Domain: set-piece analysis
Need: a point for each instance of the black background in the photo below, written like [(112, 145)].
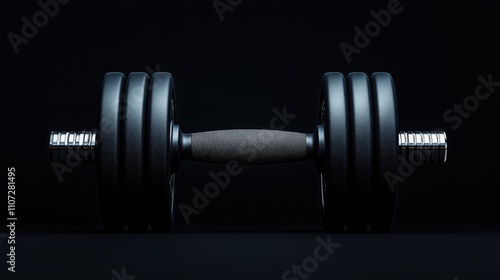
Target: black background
[(231, 74)]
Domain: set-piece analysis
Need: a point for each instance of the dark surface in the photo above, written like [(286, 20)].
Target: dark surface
[(232, 74), (432, 253)]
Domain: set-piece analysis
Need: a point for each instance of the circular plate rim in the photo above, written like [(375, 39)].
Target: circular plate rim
[(384, 196), (108, 152), (361, 157), (160, 172), (336, 128), (133, 150)]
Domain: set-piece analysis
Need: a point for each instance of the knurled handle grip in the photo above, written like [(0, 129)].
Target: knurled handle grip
[(248, 146)]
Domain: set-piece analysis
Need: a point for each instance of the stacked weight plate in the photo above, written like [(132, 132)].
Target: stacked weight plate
[(359, 115), (134, 172)]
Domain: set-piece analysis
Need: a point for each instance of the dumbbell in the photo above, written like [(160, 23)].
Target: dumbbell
[(356, 148)]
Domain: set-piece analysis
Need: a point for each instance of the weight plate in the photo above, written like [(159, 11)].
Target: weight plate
[(159, 129), (108, 153), (335, 120), (384, 188), (361, 164), (133, 142)]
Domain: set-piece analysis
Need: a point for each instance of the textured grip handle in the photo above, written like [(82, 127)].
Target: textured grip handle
[(248, 146)]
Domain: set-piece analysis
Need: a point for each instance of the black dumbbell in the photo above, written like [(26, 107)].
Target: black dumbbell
[(356, 147)]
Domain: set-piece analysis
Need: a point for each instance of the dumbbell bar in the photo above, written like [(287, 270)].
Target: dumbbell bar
[(355, 144), (222, 146)]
